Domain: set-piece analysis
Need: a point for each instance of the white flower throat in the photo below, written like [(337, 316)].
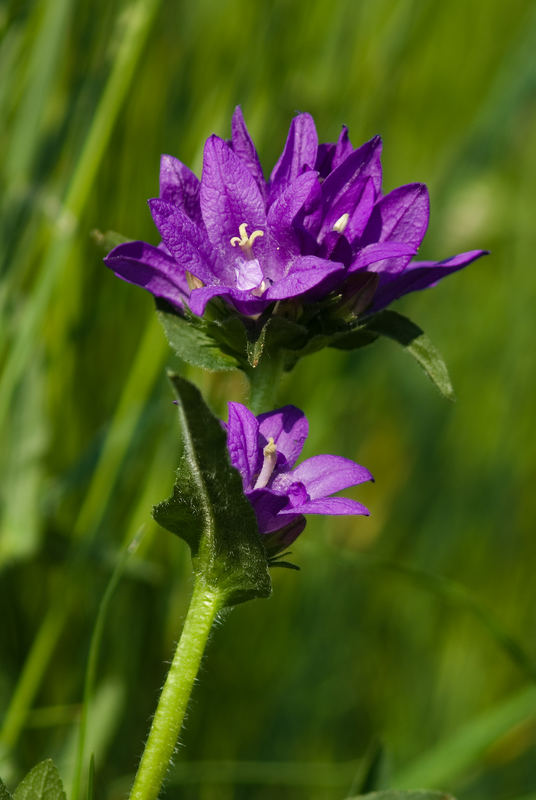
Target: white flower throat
[(249, 276)]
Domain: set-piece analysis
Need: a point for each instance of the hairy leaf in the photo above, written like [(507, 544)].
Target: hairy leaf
[(4, 794), (208, 508), (43, 782), (277, 333), (193, 344), (414, 340)]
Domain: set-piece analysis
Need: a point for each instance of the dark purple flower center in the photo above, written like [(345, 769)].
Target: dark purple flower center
[(297, 494)]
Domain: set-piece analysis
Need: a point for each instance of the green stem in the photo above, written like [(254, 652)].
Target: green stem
[(167, 721), (264, 382)]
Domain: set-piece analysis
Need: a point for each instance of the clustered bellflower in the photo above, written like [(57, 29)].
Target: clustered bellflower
[(319, 225), (264, 450)]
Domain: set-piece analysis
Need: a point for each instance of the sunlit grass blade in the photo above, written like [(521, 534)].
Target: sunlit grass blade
[(92, 664), (445, 762), (139, 18), (46, 48)]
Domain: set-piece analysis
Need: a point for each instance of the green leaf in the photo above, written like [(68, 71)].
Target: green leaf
[(208, 508), (230, 334), (191, 342), (43, 782), (255, 347), (420, 794), (277, 333), (4, 794), (414, 340), (464, 749), (353, 339)]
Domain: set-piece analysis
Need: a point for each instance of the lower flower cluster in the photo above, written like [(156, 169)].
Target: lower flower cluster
[(264, 449)]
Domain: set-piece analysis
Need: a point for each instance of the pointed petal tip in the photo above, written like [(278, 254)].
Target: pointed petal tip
[(215, 143), (302, 115), (417, 186), (157, 204)]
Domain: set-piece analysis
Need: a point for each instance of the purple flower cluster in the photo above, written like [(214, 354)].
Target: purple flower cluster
[(264, 450), (320, 224)]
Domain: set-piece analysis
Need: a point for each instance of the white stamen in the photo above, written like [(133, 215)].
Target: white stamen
[(342, 222), (268, 465)]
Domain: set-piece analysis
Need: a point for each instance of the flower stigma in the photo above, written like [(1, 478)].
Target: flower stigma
[(342, 222), (268, 465), (244, 241)]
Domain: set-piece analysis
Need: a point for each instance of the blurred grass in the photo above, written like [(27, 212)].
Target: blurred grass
[(344, 654)]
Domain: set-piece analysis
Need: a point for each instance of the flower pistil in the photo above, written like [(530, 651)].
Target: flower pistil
[(249, 276), (270, 458)]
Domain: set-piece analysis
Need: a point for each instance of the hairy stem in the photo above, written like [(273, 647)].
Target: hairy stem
[(171, 709)]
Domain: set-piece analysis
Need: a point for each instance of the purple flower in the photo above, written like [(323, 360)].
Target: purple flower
[(374, 235), (264, 450), (316, 225)]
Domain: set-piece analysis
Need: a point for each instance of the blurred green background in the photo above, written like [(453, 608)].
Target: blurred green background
[(407, 637)]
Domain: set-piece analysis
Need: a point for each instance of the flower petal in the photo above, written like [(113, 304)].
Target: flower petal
[(343, 148), (229, 195), (401, 216), (324, 158), (288, 427), (244, 148), (245, 302), (328, 505), (420, 275), (267, 506), (284, 210), (345, 183), (361, 214), (180, 187), (304, 274), (323, 475), (151, 268), (283, 537), (299, 153), (183, 239), (404, 214), (243, 443), (378, 251), (331, 154)]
